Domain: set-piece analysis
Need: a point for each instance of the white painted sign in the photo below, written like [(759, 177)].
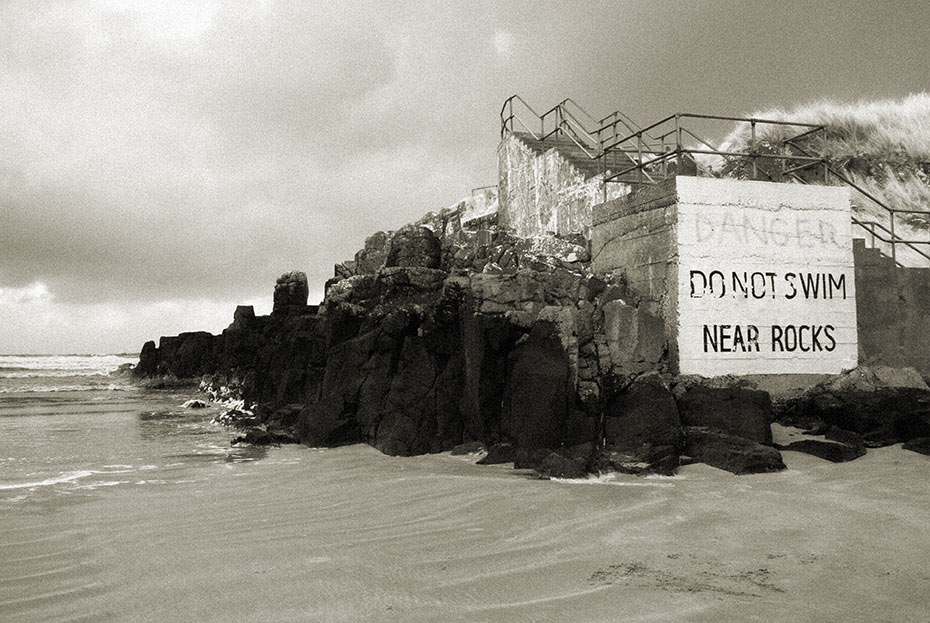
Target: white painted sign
[(765, 278)]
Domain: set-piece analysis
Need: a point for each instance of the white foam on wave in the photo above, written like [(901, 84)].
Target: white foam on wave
[(71, 477), (611, 479), (26, 389), (57, 480)]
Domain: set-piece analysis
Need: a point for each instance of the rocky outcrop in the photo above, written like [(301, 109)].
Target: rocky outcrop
[(882, 405), (734, 454), (291, 290), (642, 429), (446, 333), (731, 410)]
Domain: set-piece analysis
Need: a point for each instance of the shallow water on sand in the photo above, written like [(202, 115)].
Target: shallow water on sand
[(129, 508)]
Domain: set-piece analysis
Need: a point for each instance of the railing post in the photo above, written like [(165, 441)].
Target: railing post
[(604, 175), (752, 148), (893, 243), (639, 155), (678, 143)]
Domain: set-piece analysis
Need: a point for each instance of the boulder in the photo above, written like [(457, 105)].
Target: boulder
[(537, 392), (472, 447), (733, 454), (829, 450), (260, 436), (731, 410), (919, 444), (370, 259), (243, 317), (291, 290), (499, 453), (148, 361), (566, 463), (884, 408), (641, 426), (414, 246), (194, 404)]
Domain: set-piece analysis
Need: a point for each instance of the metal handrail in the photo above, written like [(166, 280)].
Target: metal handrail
[(893, 240), (646, 149)]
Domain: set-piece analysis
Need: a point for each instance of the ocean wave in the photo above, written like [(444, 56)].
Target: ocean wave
[(71, 477), (41, 389), (28, 373), (16, 366), (57, 480)]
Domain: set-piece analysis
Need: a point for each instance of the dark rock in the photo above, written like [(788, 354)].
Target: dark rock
[(834, 433), (731, 410), (883, 416), (918, 444), (641, 426), (499, 453), (414, 247), (371, 258), (291, 290), (343, 270), (647, 459), (243, 317), (471, 447), (148, 361), (831, 451), (557, 465), (262, 437), (733, 454), (536, 396)]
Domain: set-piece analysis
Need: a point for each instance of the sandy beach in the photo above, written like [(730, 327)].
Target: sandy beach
[(349, 534)]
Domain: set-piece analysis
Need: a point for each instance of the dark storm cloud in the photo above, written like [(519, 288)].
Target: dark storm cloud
[(144, 159), (159, 151)]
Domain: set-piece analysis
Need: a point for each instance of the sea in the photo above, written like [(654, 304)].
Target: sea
[(72, 423), (119, 504)]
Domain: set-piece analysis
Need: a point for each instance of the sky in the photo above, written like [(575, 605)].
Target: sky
[(164, 161)]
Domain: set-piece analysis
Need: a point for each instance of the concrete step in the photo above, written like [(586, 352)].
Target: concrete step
[(574, 155)]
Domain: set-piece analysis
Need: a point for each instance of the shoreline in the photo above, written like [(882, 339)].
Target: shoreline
[(350, 534)]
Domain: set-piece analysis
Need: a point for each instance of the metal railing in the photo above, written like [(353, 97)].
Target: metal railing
[(768, 149)]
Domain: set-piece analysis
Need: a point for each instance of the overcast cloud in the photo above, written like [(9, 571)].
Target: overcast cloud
[(163, 161)]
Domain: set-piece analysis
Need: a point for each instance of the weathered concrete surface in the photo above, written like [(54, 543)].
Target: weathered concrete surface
[(765, 279), (750, 277), (893, 311), (634, 236), (544, 192)]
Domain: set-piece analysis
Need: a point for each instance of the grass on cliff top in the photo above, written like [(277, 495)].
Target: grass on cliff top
[(884, 130), (883, 146)]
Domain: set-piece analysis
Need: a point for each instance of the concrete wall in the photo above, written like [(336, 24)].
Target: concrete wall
[(635, 236), (750, 277), (893, 311), (765, 277), (540, 193)]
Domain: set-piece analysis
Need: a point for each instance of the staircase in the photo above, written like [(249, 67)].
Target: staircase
[(621, 151), (574, 154)]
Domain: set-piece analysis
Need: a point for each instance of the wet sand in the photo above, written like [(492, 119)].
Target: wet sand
[(351, 535)]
